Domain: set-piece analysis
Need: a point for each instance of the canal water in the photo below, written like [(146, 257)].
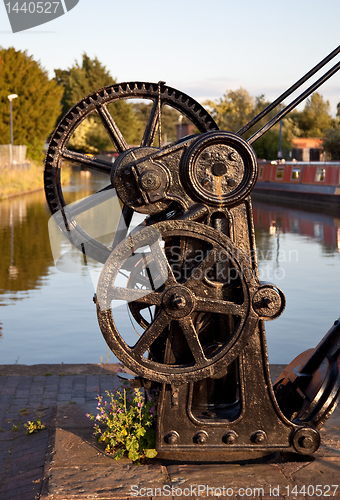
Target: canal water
[(48, 315)]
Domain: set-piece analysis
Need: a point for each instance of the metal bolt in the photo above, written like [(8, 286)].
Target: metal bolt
[(171, 437), (206, 155), (178, 302), (150, 181), (233, 156), (201, 438), (205, 181), (230, 437), (258, 437), (266, 302), (306, 442)]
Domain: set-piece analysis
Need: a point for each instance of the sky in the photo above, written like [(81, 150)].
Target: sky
[(202, 48)]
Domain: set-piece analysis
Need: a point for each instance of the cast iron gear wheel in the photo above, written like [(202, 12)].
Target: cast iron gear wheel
[(96, 104), (178, 300)]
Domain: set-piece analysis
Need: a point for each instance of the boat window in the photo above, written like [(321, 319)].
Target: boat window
[(320, 174), (279, 172), (261, 172), (295, 174)]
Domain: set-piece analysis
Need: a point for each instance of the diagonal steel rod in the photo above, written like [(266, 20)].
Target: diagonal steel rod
[(293, 104), (289, 91)]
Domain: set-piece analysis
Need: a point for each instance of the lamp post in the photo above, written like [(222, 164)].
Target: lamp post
[(10, 98)]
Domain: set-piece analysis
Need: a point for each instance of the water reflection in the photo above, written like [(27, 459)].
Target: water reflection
[(271, 220), (25, 249), (298, 250), (48, 316)]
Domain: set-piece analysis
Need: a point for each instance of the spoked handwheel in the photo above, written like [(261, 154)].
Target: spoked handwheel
[(96, 104), (189, 294)]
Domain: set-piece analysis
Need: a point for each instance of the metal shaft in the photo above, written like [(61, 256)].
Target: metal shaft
[(288, 92), (293, 104)]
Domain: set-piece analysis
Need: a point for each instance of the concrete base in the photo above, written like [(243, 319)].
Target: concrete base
[(77, 468)]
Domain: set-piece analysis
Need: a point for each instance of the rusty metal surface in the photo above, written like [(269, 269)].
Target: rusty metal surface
[(188, 275)]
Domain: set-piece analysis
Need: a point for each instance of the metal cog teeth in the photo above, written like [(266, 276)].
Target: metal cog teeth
[(93, 99), (89, 105)]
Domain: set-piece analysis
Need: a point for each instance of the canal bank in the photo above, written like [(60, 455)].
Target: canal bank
[(25, 179), (64, 461), (21, 180)]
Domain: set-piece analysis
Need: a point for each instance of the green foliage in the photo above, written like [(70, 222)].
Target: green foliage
[(169, 120), (37, 107), (266, 147), (79, 81), (238, 107), (23, 411), (315, 118), (232, 111), (16, 427), (128, 421), (15, 182), (34, 426), (331, 141)]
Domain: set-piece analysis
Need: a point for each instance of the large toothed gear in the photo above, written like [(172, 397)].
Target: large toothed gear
[(96, 104)]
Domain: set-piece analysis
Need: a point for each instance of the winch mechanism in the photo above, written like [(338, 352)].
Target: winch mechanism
[(189, 277)]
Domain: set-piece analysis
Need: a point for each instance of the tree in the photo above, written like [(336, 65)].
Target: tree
[(238, 107), (232, 111), (79, 81), (169, 120), (37, 107), (331, 141), (315, 118)]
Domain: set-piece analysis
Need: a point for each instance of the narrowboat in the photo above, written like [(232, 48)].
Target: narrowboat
[(315, 183)]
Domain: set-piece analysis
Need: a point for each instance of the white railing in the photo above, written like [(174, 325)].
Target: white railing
[(18, 159)]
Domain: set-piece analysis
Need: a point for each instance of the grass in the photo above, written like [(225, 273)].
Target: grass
[(24, 411), (14, 182), (17, 182)]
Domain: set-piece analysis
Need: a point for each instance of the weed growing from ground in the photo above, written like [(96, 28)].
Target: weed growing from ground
[(35, 426), (125, 424)]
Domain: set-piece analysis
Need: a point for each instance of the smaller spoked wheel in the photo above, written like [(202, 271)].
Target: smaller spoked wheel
[(187, 291), (142, 275)]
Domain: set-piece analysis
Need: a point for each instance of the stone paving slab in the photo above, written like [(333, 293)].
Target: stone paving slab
[(65, 462), (31, 392), (79, 469)]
